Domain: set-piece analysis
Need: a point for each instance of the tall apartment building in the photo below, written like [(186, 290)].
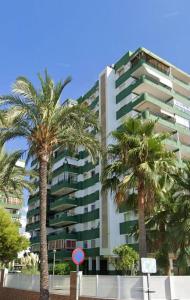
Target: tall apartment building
[(79, 214)]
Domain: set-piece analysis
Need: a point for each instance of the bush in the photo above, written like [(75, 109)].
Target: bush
[(63, 268), (126, 259)]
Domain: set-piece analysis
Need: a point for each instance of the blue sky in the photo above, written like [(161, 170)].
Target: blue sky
[(80, 37)]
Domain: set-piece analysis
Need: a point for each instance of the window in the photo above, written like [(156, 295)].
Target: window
[(182, 121), (86, 209), (85, 175), (93, 173), (85, 244), (93, 244), (93, 224), (130, 239), (70, 244), (93, 206), (120, 71)]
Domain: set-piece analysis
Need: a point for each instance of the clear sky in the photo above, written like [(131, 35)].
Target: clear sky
[(80, 37)]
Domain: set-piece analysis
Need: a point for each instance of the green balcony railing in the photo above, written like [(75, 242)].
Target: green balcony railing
[(89, 216), (33, 212), (55, 236), (32, 226), (63, 220), (64, 184), (91, 252), (60, 254), (89, 234), (63, 203), (62, 236), (127, 226)]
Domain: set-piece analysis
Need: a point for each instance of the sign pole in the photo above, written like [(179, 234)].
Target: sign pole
[(148, 286), (148, 266), (78, 257), (77, 268)]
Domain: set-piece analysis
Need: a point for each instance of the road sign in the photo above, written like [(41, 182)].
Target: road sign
[(78, 256), (148, 265)]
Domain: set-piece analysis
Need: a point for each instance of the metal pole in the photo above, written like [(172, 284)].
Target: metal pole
[(78, 283), (54, 251), (148, 286)]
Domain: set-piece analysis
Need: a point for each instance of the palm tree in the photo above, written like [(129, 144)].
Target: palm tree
[(13, 178), (45, 123), (135, 161), (181, 216), (160, 230), (168, 226)]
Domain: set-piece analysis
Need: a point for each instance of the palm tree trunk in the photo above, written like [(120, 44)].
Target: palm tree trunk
[(162, 228), (141, 221), (44, 285)]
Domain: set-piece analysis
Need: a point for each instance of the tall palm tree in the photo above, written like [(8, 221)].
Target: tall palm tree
[(45, 123), (135, 161)]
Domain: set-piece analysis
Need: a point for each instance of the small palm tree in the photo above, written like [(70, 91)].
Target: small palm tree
[(39, 117), (181, 217), (160, 230), (169, 229), (135, 161), (13, 178)]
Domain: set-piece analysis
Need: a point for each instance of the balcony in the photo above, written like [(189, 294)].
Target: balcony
[(33, 212), (127, 226), (35, 240), (63, 203), (55, 236), (148, 102), (60, 254), (64, 187), (150, 60), (170, 125), (33, 226), (62, 236), (88, 182), (89, 216), (92, 252), (146, 84), (63, 220)]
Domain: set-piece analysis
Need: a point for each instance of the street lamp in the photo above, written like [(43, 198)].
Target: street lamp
[(54, 252)]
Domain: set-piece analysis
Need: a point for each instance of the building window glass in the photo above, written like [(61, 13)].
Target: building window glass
[(93, 243), (86, 209), (85, 244)]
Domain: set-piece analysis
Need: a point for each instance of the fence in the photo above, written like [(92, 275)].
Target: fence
[(109, 287), (58, 284), (135, 287)]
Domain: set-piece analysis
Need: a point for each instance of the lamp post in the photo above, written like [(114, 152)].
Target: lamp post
[(54, 252)]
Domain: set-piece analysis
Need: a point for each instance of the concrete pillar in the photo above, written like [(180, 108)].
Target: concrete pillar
[(172, 292), (75, 278), (3, 273), (90, 263), (97, 263)]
